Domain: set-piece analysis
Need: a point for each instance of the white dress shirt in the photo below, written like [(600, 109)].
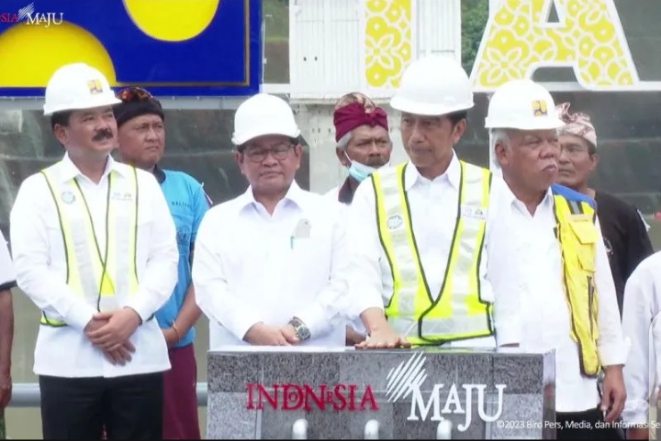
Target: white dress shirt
[(250, 267), (536, 256), (433, 207), (641, 322), (41, 267), (7, 271)]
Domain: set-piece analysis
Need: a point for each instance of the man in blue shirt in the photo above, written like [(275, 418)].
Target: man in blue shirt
[(140, 121)]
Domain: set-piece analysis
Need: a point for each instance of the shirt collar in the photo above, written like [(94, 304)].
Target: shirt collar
[(294, 195), (512, 199), (452, 175), (158, 174), (68, 169)]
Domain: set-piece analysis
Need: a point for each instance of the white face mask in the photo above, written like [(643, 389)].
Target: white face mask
[(359, 171)]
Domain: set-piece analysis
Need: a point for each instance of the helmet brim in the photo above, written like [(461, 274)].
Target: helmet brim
[(242, 138), (427, 109), (106, 101), (542, 124)]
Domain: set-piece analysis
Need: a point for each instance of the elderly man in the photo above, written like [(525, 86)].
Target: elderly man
[(363, 141), (268, 264), (363, 146), (422, 232), (566, 290), (624, 231), (141, 129), (95, 250)]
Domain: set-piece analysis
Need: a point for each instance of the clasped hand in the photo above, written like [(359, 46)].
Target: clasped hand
[(110, 332), (260, 334)]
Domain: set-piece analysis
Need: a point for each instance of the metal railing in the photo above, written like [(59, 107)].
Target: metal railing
[(27, 395)]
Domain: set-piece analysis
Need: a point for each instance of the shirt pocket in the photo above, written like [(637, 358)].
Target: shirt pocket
[(586, 234)]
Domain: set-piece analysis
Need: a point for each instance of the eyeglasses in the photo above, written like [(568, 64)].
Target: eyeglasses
[(258, 155), (132, 94)]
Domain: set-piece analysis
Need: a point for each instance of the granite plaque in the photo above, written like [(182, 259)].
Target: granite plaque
[(431, 393)]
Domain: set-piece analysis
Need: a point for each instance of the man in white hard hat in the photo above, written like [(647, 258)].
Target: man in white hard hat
[(268, 263), (422, 231), (95, 249), (564, 280), (363, 146)]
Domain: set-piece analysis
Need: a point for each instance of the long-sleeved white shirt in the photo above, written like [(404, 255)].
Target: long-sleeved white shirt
[(546, 323), (41, 268), (7, 271), (251, 267), (433, 207), (641, 322)]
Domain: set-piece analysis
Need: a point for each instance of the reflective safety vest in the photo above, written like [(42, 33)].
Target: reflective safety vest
[(96, 274), (459, 312), (576, 231)]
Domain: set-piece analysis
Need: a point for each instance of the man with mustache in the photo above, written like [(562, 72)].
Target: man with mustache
[(363, 141), (422, 232), (95, 249), (363, 146), (566, 291), (624, 231), (140, 122)]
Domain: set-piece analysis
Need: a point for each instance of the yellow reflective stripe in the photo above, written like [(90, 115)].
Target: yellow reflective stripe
[(393, 213), (460, 296), (95, 276), (459, 311)]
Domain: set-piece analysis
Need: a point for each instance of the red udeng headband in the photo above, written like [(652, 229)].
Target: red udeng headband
[(354, 115)]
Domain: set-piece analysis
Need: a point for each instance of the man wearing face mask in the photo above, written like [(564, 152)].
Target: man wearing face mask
[(363, 142), (363, 145)]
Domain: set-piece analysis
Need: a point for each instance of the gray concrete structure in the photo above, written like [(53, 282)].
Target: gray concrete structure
[(402, 394)]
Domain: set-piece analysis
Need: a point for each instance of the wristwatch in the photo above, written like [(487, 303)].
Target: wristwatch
[(302, 331)]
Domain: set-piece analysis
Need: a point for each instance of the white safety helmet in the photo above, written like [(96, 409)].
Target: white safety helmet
[(77, 86), (522, 105), (434, 86), (263, 114)]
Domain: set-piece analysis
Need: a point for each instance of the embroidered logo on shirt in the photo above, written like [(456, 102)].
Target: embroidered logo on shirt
[(395, 221), (119, 196), (477, 213), (68, 197)]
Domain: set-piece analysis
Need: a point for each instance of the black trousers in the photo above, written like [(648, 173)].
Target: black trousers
[(128, 407), (584, 426)]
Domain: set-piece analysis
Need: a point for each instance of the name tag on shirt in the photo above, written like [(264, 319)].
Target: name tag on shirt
[(471, 212), (302, 230)]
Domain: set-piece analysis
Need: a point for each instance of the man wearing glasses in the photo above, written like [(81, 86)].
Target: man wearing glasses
[(267, 262), (140, 122)]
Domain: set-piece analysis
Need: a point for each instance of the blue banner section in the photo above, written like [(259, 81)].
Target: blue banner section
[(171, 47)]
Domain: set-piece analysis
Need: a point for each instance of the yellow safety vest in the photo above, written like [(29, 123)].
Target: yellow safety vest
[(94, 274), (459, 312), (577, 234)]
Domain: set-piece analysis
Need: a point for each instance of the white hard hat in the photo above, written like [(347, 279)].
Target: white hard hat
[(77, 86), (433, 85), (523, 105), (263, 114)]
